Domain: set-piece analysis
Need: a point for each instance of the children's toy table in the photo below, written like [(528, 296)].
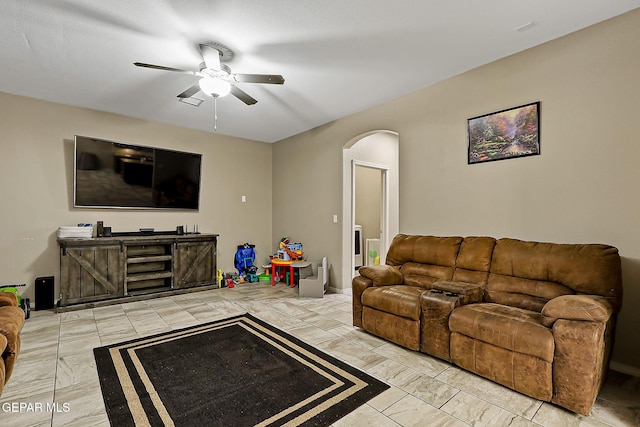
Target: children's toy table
[(279, 263), (291, 265)]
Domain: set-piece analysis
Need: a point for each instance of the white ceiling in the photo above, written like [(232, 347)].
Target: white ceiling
[(337, 56)]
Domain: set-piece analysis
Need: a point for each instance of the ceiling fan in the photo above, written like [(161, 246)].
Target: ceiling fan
[(216, 78)]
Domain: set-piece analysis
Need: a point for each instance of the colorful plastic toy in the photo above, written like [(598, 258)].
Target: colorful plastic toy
[(292, 250), (244, 262)]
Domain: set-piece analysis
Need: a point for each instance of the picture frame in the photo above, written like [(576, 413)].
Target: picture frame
[(505, 134)]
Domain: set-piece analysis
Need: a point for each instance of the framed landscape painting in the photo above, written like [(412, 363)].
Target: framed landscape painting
[(504, 134)]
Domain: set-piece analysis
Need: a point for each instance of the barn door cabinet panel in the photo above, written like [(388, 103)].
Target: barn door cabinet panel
[(106, 268), (194, 264), (91, 273)]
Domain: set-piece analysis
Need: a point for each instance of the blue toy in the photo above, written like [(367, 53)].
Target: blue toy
[(244, 262)]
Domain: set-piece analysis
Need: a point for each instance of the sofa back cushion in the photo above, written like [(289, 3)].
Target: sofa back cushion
[(528, 274), (424, 275), (474, 260), (424, 259)]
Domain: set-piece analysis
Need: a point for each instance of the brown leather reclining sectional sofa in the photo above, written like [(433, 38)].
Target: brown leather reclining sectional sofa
[(538, 318), (11, 321)]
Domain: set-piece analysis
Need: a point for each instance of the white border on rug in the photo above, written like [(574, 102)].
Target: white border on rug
[(137, 410)]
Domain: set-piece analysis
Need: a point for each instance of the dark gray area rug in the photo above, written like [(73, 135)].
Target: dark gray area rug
[(238, 371)]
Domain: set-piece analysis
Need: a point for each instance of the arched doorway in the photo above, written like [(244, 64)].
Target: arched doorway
[(373, 151)]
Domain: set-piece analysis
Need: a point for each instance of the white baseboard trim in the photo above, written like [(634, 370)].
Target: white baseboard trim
[(625, 369)]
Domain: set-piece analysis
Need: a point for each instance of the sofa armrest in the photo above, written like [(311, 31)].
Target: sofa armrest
[(11, 321), (583, 328), (8, 299), (580, 362), (377, 275), (576, 307), (358, 285), (382, 275)]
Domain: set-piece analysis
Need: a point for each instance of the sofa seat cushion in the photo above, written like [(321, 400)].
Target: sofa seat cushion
[(401, 300), (511, 328)]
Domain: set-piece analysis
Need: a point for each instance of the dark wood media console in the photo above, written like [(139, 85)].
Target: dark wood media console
[(134, 266)]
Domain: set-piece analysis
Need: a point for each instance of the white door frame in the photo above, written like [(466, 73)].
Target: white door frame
[(384, 208)]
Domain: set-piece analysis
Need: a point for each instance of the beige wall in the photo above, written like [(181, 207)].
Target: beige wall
[(368, 201), (36, 179), (582, 188)]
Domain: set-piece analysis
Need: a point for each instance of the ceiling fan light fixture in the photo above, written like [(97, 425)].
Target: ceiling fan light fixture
[(214, 87)]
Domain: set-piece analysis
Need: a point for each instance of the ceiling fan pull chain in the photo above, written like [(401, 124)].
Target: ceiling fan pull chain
[(215, 113)]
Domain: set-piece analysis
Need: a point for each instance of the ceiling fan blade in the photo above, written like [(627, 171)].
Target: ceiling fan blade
[(242, 95), (211, 56), (160, 67), (191, 91), (275, 79)]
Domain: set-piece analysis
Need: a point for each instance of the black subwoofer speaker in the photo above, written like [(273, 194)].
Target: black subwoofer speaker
[(44, 293)]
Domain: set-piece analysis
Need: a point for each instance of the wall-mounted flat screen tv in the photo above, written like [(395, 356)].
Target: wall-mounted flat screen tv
[(111, 174)]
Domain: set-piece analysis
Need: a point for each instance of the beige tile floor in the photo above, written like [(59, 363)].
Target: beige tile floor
[(56, 380)]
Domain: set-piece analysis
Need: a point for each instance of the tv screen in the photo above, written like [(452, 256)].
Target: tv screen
[(111, 174)]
